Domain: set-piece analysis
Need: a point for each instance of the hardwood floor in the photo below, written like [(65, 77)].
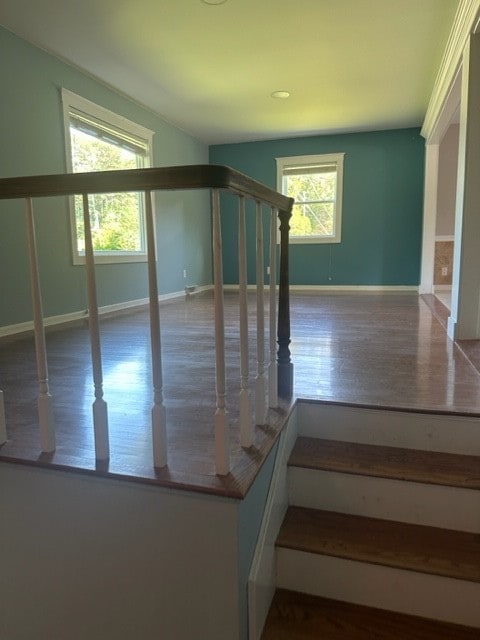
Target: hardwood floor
[(385, 350), (381, 350)]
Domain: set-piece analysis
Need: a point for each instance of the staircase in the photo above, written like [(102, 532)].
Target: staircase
[(381, 538)]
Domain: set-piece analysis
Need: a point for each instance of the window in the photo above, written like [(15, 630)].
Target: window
[(316, 183), (99, 140)]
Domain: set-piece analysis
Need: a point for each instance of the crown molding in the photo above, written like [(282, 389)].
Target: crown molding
[(465, 23)]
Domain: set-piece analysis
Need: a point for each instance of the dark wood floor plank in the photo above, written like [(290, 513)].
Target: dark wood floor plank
[(455, 554), (296, 616), (429, 467)]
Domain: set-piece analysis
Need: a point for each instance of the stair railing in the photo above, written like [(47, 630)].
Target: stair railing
[(272, 380)]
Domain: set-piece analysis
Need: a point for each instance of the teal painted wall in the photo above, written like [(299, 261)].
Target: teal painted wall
[(382, 208), (32, 142)]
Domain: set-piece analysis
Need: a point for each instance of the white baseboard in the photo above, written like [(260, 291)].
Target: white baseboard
[(66, 318), (23, 327), (336, 289)]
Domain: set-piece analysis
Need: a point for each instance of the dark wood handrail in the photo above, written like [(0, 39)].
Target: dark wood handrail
[(200, 176)]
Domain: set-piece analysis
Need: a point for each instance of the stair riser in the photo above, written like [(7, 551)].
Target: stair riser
[(416, 503), (409, 592), (451, 434)]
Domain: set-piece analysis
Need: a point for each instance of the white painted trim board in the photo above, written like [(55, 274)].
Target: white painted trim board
[(262, 578)]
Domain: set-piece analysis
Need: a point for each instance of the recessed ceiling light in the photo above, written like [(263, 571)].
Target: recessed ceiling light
[(214, 1), (281, 95)]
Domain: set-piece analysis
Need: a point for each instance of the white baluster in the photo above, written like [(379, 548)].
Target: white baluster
[(159, 418), (3, 425), (260, 403), (246, 424), (100, 414), (272, 373), (222, 446), (45, 410)]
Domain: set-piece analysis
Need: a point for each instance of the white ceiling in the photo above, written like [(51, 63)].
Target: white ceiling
[(350, 65)]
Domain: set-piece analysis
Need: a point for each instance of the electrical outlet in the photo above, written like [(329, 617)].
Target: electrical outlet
[(444, 271), (268, 271), (184, 273)]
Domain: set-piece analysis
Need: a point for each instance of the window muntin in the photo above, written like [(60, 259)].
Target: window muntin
[(99, 140), (315, 183)]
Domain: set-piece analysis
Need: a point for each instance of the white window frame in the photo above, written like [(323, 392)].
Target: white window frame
[(75, 103), (299, 161)]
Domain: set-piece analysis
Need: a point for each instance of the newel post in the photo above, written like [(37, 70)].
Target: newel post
[(285, 366)]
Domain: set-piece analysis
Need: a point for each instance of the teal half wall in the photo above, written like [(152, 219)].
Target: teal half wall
[(382, 208), (32, 142)]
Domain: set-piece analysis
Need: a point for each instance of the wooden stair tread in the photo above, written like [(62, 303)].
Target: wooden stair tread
[(297, 616), (444, 552), (430, 467)]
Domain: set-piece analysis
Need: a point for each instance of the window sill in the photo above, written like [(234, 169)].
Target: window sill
[(313, 240), (112, 259)]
